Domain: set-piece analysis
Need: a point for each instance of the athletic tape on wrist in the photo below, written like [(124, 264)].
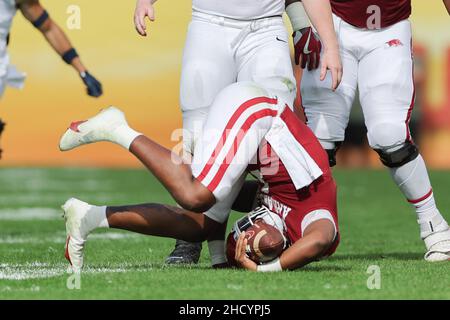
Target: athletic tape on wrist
[(41, 20), (297, 14), (69, 55), (273, 266)]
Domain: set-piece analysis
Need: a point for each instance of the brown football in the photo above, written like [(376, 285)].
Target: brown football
[(264, 242)]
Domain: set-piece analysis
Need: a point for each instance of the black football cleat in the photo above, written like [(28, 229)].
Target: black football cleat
[(185, 253)]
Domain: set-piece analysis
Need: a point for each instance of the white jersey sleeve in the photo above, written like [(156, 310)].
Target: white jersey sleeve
[(241, 9)]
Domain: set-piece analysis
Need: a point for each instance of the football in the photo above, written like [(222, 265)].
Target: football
[(264, 242)]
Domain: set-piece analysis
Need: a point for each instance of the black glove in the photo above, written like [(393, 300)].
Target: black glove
[(2, 126), (94, 88)]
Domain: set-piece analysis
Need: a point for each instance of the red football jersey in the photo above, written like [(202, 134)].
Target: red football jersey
[(282, 197), (362, 13)]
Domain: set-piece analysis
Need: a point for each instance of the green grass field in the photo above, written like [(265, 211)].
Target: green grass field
[(377, 226)]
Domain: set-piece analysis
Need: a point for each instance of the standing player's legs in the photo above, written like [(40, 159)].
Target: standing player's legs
[(207, 68), (327, 112), (387, 98), (264, 57)]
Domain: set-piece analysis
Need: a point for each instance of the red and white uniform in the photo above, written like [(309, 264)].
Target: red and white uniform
[(250, 128), (377, 62)]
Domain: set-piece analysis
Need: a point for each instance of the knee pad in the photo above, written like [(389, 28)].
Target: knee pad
[(332, 153), (385, 135), (394, 159)]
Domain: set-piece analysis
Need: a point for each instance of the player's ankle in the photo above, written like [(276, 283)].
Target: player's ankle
[(98, 217), (432, 223), (124, 136)]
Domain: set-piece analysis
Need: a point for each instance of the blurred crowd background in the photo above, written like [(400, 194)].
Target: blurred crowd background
[(141, 76)]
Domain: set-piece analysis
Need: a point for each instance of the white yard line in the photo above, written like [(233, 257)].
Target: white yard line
[(38, 270), (24, 213), (60, 238)]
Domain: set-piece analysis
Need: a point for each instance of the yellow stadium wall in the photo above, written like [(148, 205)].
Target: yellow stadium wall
[(141, 75)]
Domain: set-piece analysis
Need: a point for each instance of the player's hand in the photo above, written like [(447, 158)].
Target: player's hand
[(144, 8), (331, 60), (240, 255), (94, 87), (307, 48)]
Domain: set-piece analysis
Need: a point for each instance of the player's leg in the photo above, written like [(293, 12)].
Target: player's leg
[(264, 58), (387, 98), (150, 219), (110, 125), (328, 112), (207, 68)]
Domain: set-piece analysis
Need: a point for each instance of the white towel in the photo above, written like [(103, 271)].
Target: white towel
[(302, 169)]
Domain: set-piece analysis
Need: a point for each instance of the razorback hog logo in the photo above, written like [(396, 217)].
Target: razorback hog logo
[(394, 43)]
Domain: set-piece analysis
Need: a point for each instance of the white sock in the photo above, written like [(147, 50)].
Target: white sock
[(412, 179), (217, 251), (123, 135), (97, 217)]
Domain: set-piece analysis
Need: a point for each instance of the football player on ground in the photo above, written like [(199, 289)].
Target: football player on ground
[(230, 41), (247, 126), (33, 11), (376, 51)]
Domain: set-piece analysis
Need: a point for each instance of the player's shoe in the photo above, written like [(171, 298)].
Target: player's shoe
[(438, 245), (102, 127), (78, 227), (185, 253)]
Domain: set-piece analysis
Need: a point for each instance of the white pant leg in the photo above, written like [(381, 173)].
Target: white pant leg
[(264, 58), (230, 139), (207, 68), (386, 85), (328, 112), (208, 64)]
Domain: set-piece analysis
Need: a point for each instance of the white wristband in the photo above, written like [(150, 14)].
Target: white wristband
[(273, 266), (297, 15)]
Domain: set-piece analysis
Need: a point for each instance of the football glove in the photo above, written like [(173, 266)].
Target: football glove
[(2, 126), (94, 87), (307, 48)]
